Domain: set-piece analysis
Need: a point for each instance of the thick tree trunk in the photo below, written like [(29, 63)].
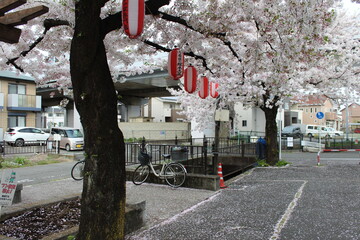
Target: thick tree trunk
[(103, 197), (272, 149)]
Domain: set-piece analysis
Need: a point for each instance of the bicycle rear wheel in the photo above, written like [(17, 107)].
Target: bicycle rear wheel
[(140, 175), (77, 172), (175, 174)]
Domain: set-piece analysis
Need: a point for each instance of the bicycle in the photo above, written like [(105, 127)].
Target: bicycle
[(173, 173), (77, 171)]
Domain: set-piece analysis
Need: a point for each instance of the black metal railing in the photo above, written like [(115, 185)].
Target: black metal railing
[(29, 147), (195, 155), (342, 143)]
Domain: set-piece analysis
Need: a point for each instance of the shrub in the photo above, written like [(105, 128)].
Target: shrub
[(20, 160), (263, 163), (281, 163)]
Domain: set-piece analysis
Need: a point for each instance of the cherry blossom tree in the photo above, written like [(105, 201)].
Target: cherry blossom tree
[(286, 50), (259, 52)]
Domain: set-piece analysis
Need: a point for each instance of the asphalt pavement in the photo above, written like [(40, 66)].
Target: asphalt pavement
[(299, 201)]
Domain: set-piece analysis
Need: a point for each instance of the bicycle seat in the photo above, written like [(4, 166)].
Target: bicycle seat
[(166, 155)]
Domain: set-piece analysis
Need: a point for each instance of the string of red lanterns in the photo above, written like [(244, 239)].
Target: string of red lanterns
[(133, 15), (176, 71)]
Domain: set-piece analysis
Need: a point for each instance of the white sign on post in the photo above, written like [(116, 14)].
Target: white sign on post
[(222, 115), (8, 188), (290, 142), (57, 137)]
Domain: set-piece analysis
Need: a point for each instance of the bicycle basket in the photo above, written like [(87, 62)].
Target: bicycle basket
[(144, 158)]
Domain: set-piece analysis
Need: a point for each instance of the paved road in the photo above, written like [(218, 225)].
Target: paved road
[(43, 173), (302, 201)]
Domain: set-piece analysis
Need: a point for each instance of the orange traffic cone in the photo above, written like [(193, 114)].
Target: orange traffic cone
[(222, 183)]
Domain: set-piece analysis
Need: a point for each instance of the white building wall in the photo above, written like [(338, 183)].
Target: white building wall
[(254, 117), (157, 110), (77, 123)]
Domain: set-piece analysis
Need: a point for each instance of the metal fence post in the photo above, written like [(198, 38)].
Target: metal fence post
[(205, 146), (242, 148), (143, 143)]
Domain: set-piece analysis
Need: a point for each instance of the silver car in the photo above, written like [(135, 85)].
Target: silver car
[(71, 138)]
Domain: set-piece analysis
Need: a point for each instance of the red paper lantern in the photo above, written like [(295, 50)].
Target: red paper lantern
[(204, 87), (133, 14), (213, 87), (190, 78), (176, 64)]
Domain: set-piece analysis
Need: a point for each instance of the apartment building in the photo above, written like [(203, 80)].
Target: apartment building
[(164, 109), (19, 104), (353, 114), (54, 117), (312, 104)]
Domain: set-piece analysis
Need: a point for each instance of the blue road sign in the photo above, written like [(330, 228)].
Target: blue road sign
[(320, 115)]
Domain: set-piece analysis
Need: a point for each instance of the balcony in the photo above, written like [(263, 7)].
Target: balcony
[(1, 100), (21, 102)]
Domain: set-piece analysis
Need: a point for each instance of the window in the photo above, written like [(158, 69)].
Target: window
[(17, 89), (311, 110), (244, 123), (16, 121), (25, 130), (34, 130)]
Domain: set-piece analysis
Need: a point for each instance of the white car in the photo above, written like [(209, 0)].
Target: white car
[(335, 133), (19, 136)]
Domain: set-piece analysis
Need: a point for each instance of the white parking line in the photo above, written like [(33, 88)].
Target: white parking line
[(283, 220)]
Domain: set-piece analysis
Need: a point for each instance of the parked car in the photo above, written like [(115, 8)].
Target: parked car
[(357, 130), (19, 136), (335, 133), (71, 138), (292, 131)]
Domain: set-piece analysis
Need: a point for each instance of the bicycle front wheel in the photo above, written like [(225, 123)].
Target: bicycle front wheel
[(140, 175), (77, 172), (175, 174)]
